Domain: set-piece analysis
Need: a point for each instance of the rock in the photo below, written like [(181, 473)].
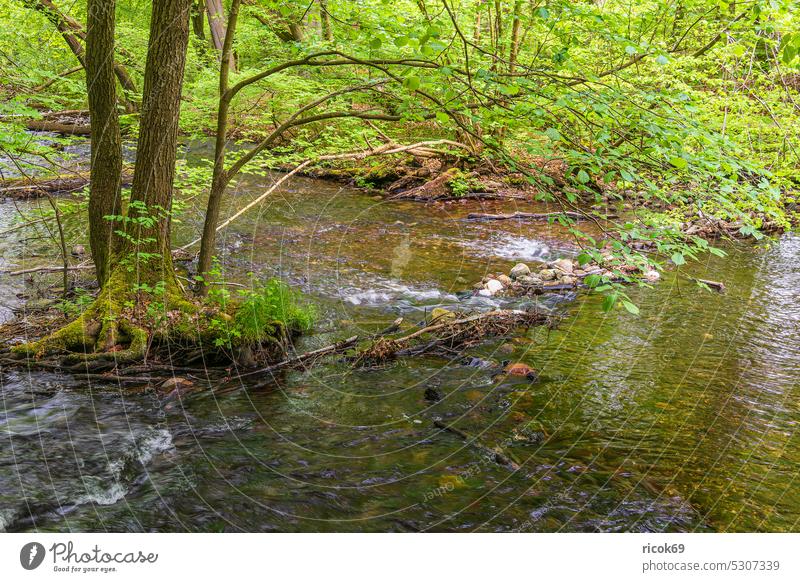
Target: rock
[(493, 286), (548, 274), (478, 286), (505, 280), (520, 270), (530, 281), (78, 250), (461, 280), (567, 280), (441, 314), (563, 265), (651, 276), (432, 394), (520, 369), (485, 293), (507, 348), (176, 382)]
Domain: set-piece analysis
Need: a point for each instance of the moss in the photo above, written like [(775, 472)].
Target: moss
[(127, 318)]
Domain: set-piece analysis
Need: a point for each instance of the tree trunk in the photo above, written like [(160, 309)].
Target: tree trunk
[(106, 167), (199, 19), (325, 20), (219, 180), (154, 174), (216, 22), (515, 30)]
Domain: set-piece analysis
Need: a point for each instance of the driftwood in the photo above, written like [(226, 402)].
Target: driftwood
[(449, 335), (524, 216), (716, 285), (493, 452)]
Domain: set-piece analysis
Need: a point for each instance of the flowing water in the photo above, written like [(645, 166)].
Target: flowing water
[(684, 418)]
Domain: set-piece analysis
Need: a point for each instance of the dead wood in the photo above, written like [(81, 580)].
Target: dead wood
[(34, 187), (524, 216), (449, 335)]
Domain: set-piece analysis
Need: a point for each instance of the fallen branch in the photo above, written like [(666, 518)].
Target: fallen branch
[(716, 285), (48, 270), (524, 215), (27, 187), (302, 358), (449, 334), (385, 149), (58, 127), (495, 453)]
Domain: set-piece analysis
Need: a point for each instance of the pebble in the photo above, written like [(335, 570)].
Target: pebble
[(520, 270), (563, 265), (548, 274)]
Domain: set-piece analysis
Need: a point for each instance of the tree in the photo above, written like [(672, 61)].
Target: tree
[(73, 34), (106, 165), (137, 265)]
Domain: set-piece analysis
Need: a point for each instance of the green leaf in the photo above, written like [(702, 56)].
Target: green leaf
[(717, 252), (679, 163), (591, 281), (412, 83), (375, 43), (609, 301), (552, 133), (583, 177), (630, 307), (678, 259)]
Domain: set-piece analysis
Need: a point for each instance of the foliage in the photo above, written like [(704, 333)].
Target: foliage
[(266, 312), (678, 109)]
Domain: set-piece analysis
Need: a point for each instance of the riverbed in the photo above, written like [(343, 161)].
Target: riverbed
[(684, 418)]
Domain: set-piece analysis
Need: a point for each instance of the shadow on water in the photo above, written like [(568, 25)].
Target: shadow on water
[(682, 419)]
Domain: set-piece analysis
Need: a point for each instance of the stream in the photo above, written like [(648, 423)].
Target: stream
[(684, 418)]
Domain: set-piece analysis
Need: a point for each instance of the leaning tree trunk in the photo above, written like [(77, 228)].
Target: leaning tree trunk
[(154, 174), (106, 168)]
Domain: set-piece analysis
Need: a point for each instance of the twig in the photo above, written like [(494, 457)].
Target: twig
[(523, 215)]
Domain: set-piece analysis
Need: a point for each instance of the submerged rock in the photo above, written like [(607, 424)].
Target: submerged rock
[(548, 274), (432, 394), (520, 270), (520, 369), (505, 280)]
